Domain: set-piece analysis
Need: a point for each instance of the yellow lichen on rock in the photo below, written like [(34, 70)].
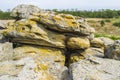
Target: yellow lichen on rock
[(78, 43), (96, 42), (30, 32), (40, 53)]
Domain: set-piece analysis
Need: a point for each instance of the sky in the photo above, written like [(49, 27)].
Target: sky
[(63, 4)]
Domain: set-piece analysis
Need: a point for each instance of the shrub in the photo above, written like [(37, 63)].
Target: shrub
[(107, 20), (102, 22), (116, 24)]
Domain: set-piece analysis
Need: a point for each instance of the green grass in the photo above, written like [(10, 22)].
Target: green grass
[(108, 36)]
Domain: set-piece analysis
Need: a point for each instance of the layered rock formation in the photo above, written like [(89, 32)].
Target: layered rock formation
[(42, 45)]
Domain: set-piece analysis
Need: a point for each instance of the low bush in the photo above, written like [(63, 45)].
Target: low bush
[(116, 24), (107, 20), (102, 23)]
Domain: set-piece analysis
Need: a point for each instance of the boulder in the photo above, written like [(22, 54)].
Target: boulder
[(28, 69), (24, 11), (113, 51), (30, 32), (95, 69), (6, 51), (78, 43)]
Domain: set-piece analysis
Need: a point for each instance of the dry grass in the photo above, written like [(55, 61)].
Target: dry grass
[(107, 29)]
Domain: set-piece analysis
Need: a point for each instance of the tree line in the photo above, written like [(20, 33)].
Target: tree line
[(4, 15), (103, 13)]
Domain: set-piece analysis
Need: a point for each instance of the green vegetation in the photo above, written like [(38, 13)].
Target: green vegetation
[(108, 36), (5, 15), (102, 22), (116, 21), (92, 14), (87, 14), (107, 20), (116, 24)]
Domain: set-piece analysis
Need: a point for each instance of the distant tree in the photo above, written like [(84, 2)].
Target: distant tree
[(92, 14)]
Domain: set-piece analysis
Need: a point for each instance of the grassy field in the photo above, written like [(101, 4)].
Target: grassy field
[(108, 29)]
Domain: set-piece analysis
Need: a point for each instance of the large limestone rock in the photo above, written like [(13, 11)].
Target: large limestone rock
[(28, 69), (30, 32), (113, 51), (95, 69), (24, 11)]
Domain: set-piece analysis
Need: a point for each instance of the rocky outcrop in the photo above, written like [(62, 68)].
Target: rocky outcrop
[(44, 45)]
